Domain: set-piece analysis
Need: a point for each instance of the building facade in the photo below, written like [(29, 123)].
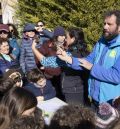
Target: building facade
[(8, 11)]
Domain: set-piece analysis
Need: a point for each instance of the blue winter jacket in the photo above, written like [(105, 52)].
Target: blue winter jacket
[(47, 92), (27, 58), (106, 77)]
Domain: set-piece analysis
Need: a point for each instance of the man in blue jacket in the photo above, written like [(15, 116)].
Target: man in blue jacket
[(103, 62)]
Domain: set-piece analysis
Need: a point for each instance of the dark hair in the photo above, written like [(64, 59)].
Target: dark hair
[(73, 117), (116, 125), (14, 32), (79, 42), (6, 85), (29, 122), (14, 74), (34, 75), (115, 13), (41, 22), (14, 103)]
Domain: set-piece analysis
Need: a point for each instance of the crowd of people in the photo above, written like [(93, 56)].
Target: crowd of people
[(48, 64)]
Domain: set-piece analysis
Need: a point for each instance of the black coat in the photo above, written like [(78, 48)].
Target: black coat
[(72, 80)]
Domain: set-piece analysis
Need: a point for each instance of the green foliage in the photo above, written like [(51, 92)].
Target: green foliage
[(87, 14)]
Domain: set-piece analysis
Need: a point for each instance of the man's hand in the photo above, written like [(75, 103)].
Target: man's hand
[(84, 63), (39, 29), (34, 44)]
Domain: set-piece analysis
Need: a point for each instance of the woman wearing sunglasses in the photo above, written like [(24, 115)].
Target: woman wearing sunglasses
[(43, 33), (5, 34)]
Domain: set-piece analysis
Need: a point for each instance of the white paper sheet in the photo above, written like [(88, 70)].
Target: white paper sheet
[(49, 107)]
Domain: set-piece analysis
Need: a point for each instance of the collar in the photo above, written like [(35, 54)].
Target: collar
[(112, 41), (35, 84)]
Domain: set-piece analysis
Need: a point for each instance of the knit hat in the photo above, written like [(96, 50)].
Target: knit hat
[(4, 27), (29, 27), (106, 115), (59, 31)]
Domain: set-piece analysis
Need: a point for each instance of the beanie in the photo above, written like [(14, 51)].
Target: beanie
[(106, 116), (4, 27), (29, 27), (59, 31)]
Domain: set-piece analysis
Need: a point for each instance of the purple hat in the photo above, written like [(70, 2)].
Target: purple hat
[(29, 27), (59, 31), (106, 115), (4, 27)]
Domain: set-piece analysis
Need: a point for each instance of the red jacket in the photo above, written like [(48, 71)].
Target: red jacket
[(47, 49)]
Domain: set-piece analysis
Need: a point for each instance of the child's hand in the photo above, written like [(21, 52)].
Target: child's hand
[(40, 98)]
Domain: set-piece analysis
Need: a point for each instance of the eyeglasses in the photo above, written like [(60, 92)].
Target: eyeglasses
[(5, 32)]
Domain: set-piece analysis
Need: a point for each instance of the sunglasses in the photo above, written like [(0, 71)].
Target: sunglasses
[(40, 25), (3, 32), (31, 31), (12, 31)]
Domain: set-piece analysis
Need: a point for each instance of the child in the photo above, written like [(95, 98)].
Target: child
[(27, 58), (73, 117), (39, 86)]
